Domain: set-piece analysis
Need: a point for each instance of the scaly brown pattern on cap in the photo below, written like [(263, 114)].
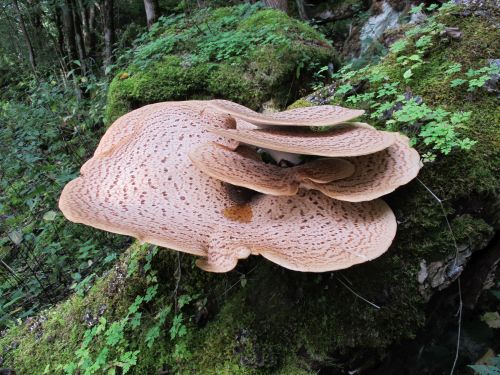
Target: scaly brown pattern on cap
[(242, 169), (375, 174), (308, 116), (340, 141), (143, 184)]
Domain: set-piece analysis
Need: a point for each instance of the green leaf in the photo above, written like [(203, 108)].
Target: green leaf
[(100, 361), (485, 369), (407, 74), (184, 300), (128, 360), (454, 68), (135, 306), (150, 293), (457, 82), (243, 282), (492, 319), (416, 9), (49, 215), (152, 334), (136, 320), (16, 236), (399, 46), (114, 334)]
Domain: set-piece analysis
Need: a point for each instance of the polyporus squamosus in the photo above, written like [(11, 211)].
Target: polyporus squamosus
[(310, 116), (359, 178), (141, 182), (244, 170), (348, 139)]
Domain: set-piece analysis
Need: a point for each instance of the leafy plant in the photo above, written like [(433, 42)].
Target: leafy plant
[(492, 368), (474, 78), (434, 130), (46, 134)]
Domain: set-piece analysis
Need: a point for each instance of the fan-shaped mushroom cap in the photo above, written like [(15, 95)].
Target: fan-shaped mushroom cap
[(144, 185), (375, 174), (242, 169), (126, 125), (307, 232), (309, 116), (350, 139)]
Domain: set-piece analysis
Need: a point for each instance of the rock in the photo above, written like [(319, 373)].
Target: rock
[(491, 85), (423, 273), (376, 25), (417, 17), (268, 57), (451, 32)]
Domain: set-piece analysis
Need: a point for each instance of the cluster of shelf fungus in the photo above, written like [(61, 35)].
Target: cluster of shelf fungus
[(176, 174)]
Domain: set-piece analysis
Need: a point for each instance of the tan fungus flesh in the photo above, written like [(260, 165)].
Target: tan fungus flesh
[(242, 169), (375, 174), (309, 116), (343, 140), (141, 183)]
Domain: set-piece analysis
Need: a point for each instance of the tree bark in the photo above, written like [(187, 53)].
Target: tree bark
[(68, 30), (109, 31), (79, 40), (301, 9), (59, 27), (92, 31), (29, 45), (82, 11), (35, 15), (152, 12), (277, 4)]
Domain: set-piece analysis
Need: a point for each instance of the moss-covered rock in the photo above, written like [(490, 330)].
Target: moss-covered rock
[(263, 319), (245, 53)]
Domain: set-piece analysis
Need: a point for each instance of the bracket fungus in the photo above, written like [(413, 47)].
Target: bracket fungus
[(309, 116), (159, 175), (376, 174), (347, 139), (239, 169)]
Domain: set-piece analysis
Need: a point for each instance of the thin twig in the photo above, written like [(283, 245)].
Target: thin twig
[(358, 295), (237, 282), (455, 265)]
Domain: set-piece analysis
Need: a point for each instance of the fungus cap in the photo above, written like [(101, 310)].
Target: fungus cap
[(349, 139), (375, 174), (143, 185), (241, 168), (309, 116)]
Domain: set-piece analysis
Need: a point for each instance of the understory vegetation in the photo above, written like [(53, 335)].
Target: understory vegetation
[(76, 300), (44, 140)]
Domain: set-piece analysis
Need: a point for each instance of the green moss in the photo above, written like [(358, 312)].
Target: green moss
[(422, 231), (164, 81), (33, 350), (278, 23), (231, 82), (301, 103), (279, 321), (240, 53), (474, 170), (118, 101)]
